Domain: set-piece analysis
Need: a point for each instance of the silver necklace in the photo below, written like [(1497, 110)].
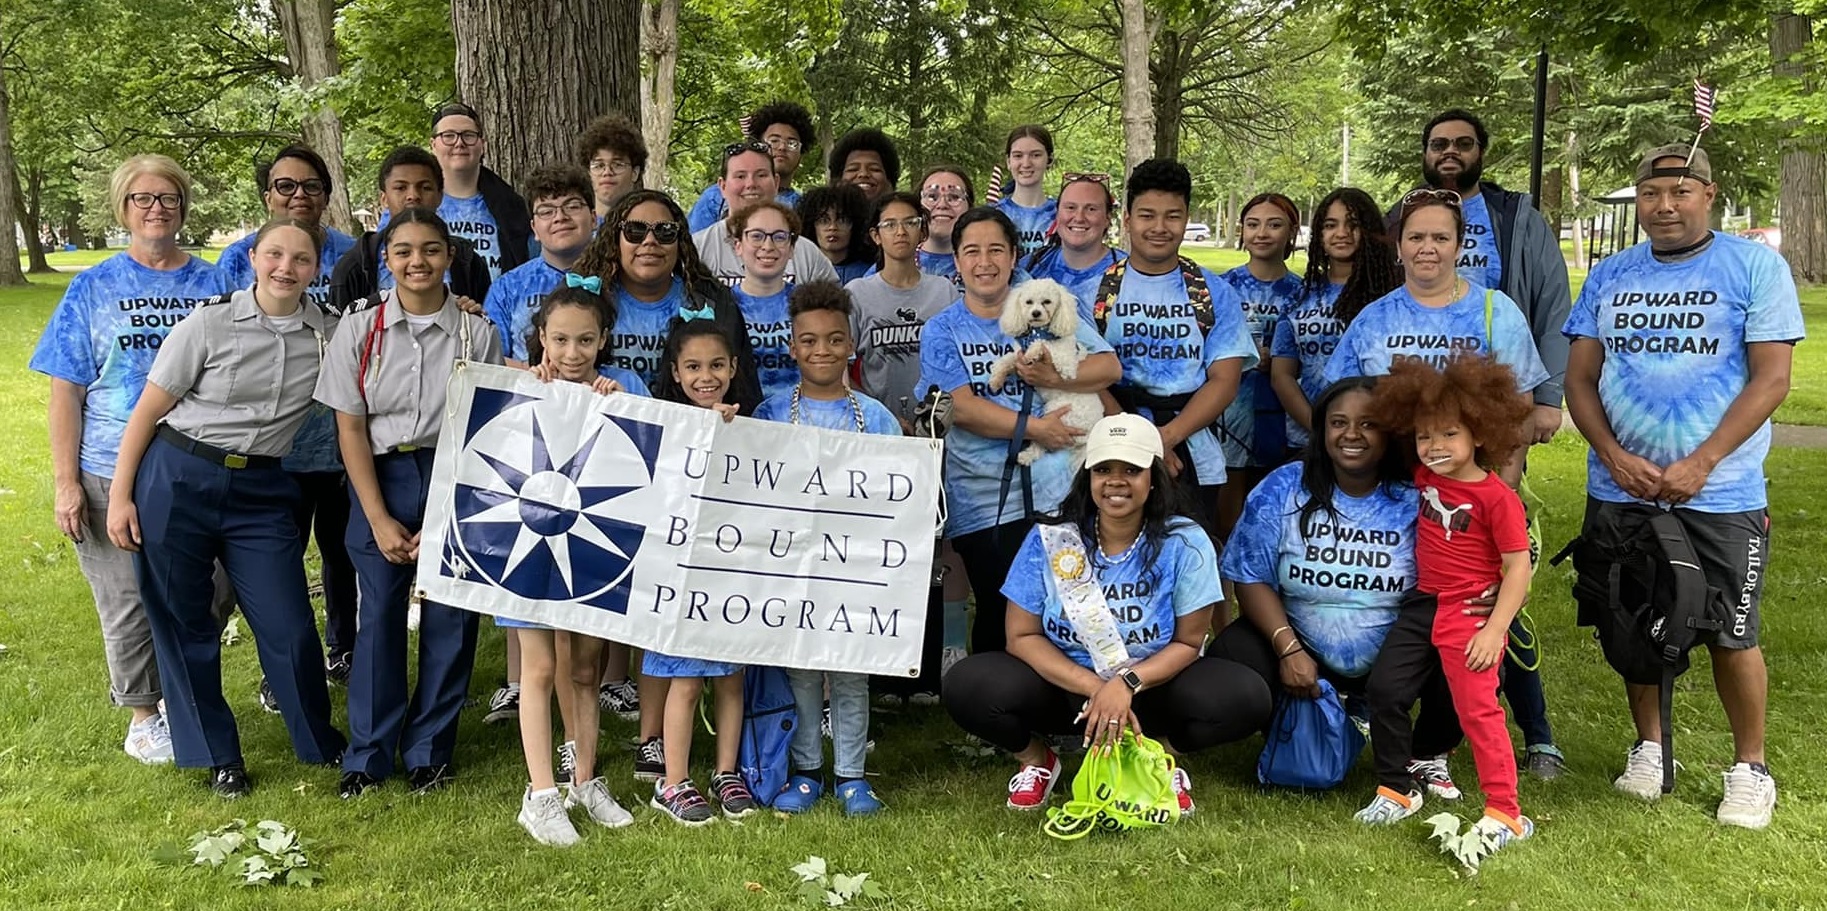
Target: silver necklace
[(856, 407)]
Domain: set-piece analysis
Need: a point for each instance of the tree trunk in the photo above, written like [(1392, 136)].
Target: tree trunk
[(9, 204), (309, 27), (659, 83), (535, 92), (1167, 77), (1573, 201), (29, 205), (1138, 107), (1804, 170)]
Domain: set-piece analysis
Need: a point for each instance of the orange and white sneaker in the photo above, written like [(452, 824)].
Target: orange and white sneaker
[(1499, 829), (1031, 786), (1390, 807), (1183, 790)]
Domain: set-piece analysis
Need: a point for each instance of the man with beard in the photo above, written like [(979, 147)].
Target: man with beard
[(1509, 246)]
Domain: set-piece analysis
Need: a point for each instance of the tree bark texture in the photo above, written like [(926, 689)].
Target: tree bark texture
[(1804, 169), (1138, 101), (537, 72), (659, 84), (309, 27), (10, 273)]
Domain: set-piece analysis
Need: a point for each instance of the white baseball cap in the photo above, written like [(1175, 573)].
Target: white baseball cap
[(1127, 438)]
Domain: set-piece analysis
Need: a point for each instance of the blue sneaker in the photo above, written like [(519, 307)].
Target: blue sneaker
[(859, 798), (799, 794)]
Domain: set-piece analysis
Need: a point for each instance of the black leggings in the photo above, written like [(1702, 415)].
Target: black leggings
[(1436, 729), (987, 556), (1002, 700), (1407, 668)]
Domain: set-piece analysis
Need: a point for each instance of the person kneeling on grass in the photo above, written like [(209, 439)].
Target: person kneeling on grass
[(1108, 607), (1464, 420), (822, 348)]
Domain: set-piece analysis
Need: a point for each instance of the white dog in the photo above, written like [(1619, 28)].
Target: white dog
[(1046, 309)]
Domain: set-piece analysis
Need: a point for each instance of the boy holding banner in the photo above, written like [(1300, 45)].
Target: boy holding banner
[(822, 346)]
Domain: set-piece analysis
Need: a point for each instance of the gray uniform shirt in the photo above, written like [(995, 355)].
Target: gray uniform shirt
[(242, 384), (406, 369), (807, 265), (885, 321)]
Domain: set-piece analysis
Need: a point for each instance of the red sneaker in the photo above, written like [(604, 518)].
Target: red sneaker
[(1031, 786), (1183, 790)]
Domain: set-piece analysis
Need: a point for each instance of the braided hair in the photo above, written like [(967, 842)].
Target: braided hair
[(1374, 269)]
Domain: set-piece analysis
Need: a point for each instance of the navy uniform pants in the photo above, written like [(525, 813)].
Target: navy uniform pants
[(193, 513), (384, 719)]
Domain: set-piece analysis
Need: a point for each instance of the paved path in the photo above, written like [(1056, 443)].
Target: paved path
[(1800, 436)]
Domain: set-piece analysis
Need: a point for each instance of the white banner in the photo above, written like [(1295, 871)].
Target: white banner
[(661, 526)]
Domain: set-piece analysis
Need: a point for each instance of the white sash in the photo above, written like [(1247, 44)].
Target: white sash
[(1082, 599)]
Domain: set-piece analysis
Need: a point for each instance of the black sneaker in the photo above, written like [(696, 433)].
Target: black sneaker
[(338, 668), (650, 761), (503, 706), (230, 781), (620, 699), (353, 784), (1545, 763), (566, 767), (733, 795), (428, 778), (266, 698), (683, 804)]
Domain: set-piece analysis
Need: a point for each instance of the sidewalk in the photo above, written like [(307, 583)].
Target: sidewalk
[(1799, 436)]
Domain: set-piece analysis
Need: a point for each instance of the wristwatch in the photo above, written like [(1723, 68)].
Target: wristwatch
[(1131, 679)]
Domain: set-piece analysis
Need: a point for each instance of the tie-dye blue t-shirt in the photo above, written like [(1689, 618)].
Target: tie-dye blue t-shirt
[(631, 381), (1310, 334), (771, 333), (957, 350), (831, 414), (1342, 584), (106, 331), (711, 207), (514, 299), (1144, 599), (1675, 337), (470, 219), (1265, 306), (1480, 260), (1398, 326), (638, 340), (944, 265), (1154, 330), (1083, 283), (1031, 224)]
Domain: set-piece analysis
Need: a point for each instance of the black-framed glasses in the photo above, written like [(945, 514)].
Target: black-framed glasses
[(781, 143), (1425, 195), (572, 206), (458, 137), (737, 148), (286, 186), (756, 237), (664, 233), (613, 167), (1457, 144), (910, 224), (144, 201)]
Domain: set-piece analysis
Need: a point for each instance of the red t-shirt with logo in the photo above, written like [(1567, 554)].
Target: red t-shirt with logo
[(1464, 531)]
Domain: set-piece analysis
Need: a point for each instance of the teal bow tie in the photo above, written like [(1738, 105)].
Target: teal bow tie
[(705, 312), (590, 283)]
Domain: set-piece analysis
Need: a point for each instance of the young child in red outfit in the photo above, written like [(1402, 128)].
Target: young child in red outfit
[(1466, 421)]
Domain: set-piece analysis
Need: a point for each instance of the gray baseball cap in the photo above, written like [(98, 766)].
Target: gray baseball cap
[(1700, 168)]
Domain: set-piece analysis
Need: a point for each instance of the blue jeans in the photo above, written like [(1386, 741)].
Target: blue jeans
[(849, 721)]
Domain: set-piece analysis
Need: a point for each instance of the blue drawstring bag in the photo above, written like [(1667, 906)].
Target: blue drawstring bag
[(1312, 743), (769, 716)]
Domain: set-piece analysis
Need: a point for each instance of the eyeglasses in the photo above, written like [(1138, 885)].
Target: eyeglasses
[(1425, 195), (613, 167), (665, 233), (942, 194), (572, 206), (286, 186), (756, 237), (1098, 177), (906, 224), (143, 201), (458, 137), (1457, 144), (737, 148), (781, 143)]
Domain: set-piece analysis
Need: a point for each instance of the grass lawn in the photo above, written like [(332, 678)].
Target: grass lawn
[(79, 822)]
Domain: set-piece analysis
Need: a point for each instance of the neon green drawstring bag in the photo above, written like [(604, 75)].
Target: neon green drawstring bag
[(1131, 787)]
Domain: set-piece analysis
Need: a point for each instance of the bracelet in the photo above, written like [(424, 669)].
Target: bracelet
[(1290, 653)]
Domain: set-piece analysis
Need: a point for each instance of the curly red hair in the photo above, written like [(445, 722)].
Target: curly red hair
[(1475, 391)]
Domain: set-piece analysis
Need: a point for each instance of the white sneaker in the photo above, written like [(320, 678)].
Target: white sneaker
[(544, 818), (596, 800), (1497, 833), (149, 741), (1390, 807), (1642, 771), (1750, 797), (1434, 774)]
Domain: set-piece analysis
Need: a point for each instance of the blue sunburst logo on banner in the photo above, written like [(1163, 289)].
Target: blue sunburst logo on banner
[(540, 500)]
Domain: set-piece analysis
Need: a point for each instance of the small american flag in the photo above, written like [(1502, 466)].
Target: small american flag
[(993, 195), (744, 122), (1703, 104)]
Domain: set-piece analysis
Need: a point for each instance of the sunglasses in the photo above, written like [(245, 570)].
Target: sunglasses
[(737, 148), (1458, 144), (1093, 176), (1424, 196), (665, 233)]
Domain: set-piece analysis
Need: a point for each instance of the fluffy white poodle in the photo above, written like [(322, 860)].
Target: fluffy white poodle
[(1046, 311)]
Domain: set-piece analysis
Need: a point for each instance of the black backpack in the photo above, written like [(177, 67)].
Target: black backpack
[(1640, 586)]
